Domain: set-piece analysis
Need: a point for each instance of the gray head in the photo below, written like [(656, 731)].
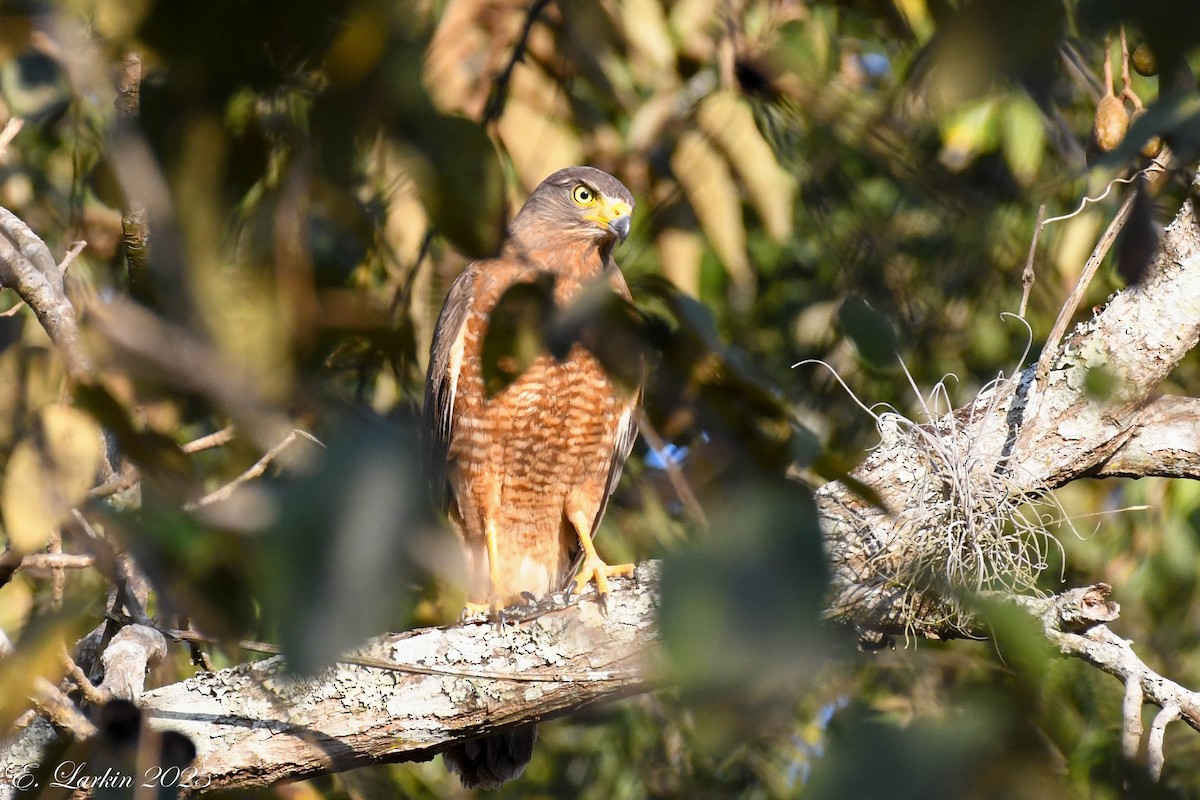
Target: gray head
[(576, 203)]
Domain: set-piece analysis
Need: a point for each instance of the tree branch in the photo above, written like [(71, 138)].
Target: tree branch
[(27, 268), (254, 724), (1018, 438), (1074, 623), (1164, 442)]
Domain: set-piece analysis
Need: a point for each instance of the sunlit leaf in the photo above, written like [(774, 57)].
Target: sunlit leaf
[(516, 332), (713, 195), (1024, 138), (726, 118), (968, 133), (49, 473)]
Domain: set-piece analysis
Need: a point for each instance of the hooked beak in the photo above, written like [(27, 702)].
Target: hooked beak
[(614, 216)]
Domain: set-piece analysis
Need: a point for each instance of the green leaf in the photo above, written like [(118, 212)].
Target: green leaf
[(1024, 138), (516, 332), (872, 332), (741, 610)]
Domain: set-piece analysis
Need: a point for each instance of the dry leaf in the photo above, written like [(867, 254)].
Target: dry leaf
[(681, 252), (713, 195), (726, 118), (48, 474), (469, 48)]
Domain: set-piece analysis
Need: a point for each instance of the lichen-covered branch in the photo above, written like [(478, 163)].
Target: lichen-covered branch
[(255, 724), (1164, 442), (28, 268), (1018, 438), (1074, 623)]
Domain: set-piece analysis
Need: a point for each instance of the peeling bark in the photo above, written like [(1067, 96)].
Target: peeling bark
[(1037, 435), (254, 724)]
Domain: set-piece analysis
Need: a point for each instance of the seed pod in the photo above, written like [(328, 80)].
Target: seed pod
[(1154, 145), (1143, 60), (1112, 120)]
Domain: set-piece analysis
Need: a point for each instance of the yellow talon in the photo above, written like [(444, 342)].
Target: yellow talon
[(597, 572), (488, 611)]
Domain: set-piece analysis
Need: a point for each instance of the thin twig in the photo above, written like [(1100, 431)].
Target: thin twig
[(1108, 71), (130, 476), (258, 468), (1027, 276), (1154, 743), (682, 490), (1066, 313), (89, 690), (118, 483), (215, 439), (499, 94), (1131, 713), (58, 578), (9, 132), (59, 709), (72, 254), (1125, 85), (56, 561)]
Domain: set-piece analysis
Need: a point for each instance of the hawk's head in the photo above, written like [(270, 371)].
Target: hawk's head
[(577, 202)]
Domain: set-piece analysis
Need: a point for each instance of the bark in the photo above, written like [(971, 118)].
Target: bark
[(255, 724), (1033, 432)]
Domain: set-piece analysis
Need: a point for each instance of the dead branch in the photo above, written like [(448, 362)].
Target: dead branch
[(1074, 623), (1036, 435), (27, 268), (255, 470), (1164, 442), (253, 724), (134, 650)]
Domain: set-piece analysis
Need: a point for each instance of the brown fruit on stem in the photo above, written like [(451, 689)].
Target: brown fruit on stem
[(1112, 120), (1143, 60), (1154, 144)]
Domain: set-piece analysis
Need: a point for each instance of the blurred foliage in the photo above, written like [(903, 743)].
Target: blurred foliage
[(843, 181)]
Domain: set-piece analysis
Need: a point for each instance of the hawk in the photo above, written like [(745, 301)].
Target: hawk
[(526, 473)]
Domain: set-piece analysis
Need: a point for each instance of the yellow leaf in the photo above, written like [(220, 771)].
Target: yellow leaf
[(1024, 141), (533, 130), (726, 119), (651, 50), (713, 195), (48, 474), (681, 252), (967, 133)]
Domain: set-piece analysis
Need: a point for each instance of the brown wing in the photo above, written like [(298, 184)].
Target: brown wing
[(627, 431), (627, 426), (441, 382)]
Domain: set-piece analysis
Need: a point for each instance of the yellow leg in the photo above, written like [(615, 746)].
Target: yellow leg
[(593, 569), (490, 609)]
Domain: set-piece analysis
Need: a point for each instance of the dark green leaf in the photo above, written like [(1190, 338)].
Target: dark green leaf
[(516, 332), (871, 332)]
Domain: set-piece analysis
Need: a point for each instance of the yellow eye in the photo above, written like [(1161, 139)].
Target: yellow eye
[(582, 195)]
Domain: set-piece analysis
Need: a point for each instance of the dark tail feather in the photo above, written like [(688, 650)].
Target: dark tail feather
[(491, 761)]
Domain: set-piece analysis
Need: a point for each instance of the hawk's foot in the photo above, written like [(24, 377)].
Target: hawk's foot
[(596, 571), (480, 612)]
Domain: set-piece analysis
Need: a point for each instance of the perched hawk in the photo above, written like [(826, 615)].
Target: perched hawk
[(528, 472)]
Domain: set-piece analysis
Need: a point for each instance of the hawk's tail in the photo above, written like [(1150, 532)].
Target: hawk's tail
[(491, 761)]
